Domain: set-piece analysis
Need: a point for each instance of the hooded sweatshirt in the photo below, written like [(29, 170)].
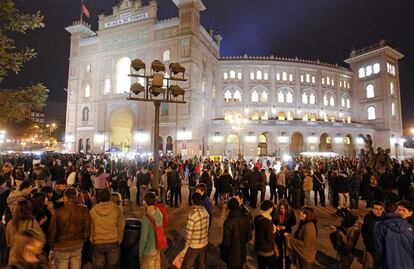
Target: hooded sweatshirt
[(147, 241), (107, 223)]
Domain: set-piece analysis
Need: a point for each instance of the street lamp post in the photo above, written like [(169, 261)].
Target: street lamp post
[(155, 90), (238, 127)]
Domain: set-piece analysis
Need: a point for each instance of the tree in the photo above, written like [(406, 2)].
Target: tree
[(16, 104)]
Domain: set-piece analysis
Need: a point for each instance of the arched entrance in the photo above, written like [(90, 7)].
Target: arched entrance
[(325, 143), (349, 149), (296, 144), (80, 145), (121, 126), (232, 145), (169, 145), (262, 147)]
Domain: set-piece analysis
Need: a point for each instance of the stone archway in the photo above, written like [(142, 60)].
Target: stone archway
[(325, 143), (296, 144), (80, 145), (121, 123)]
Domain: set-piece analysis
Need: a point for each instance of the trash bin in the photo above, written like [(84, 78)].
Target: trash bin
[(130, 244)]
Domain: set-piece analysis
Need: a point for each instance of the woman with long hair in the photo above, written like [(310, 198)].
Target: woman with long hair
[(41, 213), (23, 220), (303, 243), (284, 218)]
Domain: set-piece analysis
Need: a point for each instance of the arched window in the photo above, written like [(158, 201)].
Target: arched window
[(87, 90), (313, 116), (332, 101), (280, 97), (264, 116), (313, 80), (237, 96), (255, 96), (325, 100), (265, 76), (342, 101), (225, 76), (259, 75), (123, 81), (392, 88), (370, 91), (107, 86), (376, 68), (290, 77), (88, 145), (312, 99), (393, 109), (305, 116), (304, 98), (361, 72), (290, 115), (227, 96), (262, 138), (281, 115), (166, 55), (348, 103), (277, 76), (284, 76), (368, 70), (307, 78), (371, 113), (239, 75), (289, 98), (263, 97), (252, 75), (232, 74), (85, 114)]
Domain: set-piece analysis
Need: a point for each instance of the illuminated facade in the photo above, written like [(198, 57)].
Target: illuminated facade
[(258, 105)]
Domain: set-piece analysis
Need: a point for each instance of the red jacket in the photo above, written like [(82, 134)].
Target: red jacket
[(164, 213)]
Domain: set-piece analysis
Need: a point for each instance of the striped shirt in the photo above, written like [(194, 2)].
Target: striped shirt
[(197, 228)]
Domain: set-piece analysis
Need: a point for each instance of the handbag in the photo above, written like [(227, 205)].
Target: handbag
[(178, 260)]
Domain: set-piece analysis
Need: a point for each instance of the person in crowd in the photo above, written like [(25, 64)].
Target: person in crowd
[(107, 232), (216, 177), (308, 187), (264, 242), (145, 181), (373, 192), (281, 183), (302, 244), (405, 210), (101, 182), (236, 234), (254, 185), (206, 179), (341, 188), (226, 185), (148, 253), (244, 184), (58, 193), (394, 239), (164, 186), (319, 186), (355, 185), (18, 173), (23, 219), (367, 232), (196, 235), (116, 198), (263, 184), (205, 200), (6, 172), (4, 193), (403, 185), (86, 198), (192, 182), (68, 230), (272, 184), (42, 211), (57, 172), (244, 209), (174, 185), (284, 219), (27, 253), (18, 195), (344, 238), (295, 189)]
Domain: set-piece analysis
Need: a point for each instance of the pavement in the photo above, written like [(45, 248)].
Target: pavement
[(326, 256)]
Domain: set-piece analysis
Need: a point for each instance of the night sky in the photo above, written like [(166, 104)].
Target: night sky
[(309, 29)]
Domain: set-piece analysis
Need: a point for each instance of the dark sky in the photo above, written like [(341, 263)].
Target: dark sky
[(309, 29)]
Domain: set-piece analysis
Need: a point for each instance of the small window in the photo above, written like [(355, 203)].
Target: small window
[(301, 78), (107, 86), (361, 73), (325, 100), (376, 68), (263, 97), (166, 55), (348, 103), (85, 114), (306, 116), (290, 115), (87, 90), (312, 99), (342, 101), (313, 116), (237, 96), (281, 115), (304, 98), (259, 75), (227, 96), (333, 82), (255, 96), (232, 74), (252, 75), (307, 78), (88, 68), (290, 77), (265, 76), (332, 101), (225, 76), (370, 91), (368, 70), (239, 75), (323, 81), (392, 88), (313, 80), (280, 97), (289, 98), (393, 109), (371, 113), (277, 76), (284, 76)]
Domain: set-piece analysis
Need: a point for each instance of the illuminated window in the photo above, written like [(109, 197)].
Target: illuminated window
[(340, 83), (306, 116), (262, 138), (232, 74), (332, 101), (312, 99), (277, 76), (225, 75), (290, 77), (369, 89), (392, 88), (166, 55), (252, 75), (348, 119), (263, 97), (255, 115), (237, 96), (348, 103), (259, 75), (323, 81), (376, 68), (239, 75), (332, 118), (255, 96), (313, 116), (290, 115), (107, 86), (301, 78), (123, 81), (304, 98), (333, 82), (232, 138), (307, 78), (361, 72), (228, 116), (227, 96), (87, 90), (393, 109), (371, 113), (280, 97), (368, 70), (88, 68), (342, 101), (328, 80), (289, 98), (85, 114), (325, 100), (347, 140), (313, 80), (264, 116), (328, 140), (265, 76), (281, 115), (284, 76)]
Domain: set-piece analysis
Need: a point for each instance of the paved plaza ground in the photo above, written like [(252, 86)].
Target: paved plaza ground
[(326, 256)]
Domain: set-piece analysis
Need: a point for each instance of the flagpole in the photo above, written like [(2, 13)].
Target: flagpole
[(81, 18)]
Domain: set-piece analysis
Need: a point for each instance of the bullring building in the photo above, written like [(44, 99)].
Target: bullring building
[(239, 104)]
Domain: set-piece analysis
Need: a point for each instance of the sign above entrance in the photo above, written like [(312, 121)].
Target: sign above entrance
[(126, 19)]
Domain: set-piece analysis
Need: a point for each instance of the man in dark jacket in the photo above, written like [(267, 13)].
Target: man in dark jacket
[(272, 184), (355, 184), (394, 242), (174, 183), (319, 187), (367, 231), (236, 235), (254, 183)]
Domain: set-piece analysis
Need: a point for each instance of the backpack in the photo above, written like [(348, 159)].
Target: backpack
[(160, 238)]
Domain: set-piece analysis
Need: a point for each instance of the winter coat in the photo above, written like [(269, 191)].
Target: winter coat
[(304, 245), (107, 223), (254, 180), (345, 241), (367, 231), (30, 224), (236, 235), (341, 184), (308, 184), (226, 184), (394, 243), (318, 181), (147, 241), (272, 180), (290, 221), (264, 237)]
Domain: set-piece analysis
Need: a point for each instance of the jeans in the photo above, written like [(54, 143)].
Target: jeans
[(273, 194), (106, 256), (150, 261), (195, 256), (343, 200), (66, 260)]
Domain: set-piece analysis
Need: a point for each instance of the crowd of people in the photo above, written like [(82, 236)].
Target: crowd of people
[(66, 210)]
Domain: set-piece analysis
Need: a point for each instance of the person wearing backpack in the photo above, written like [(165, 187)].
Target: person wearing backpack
[(152, 238)]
